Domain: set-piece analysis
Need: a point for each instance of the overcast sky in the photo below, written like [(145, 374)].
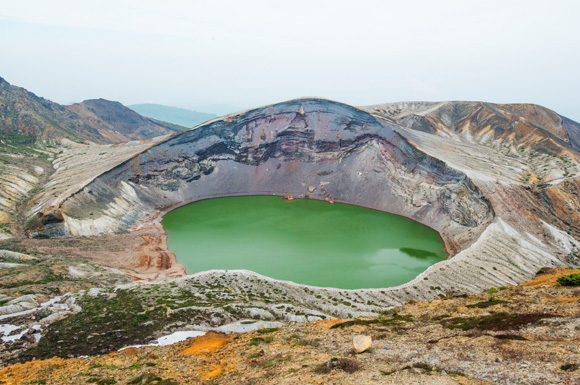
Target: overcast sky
[(240, 54)]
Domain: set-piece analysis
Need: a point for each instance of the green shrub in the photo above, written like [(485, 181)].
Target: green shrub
[(570, 367), (349, 365), (258, 340), (483, 304), (570, 280), (151, 379)]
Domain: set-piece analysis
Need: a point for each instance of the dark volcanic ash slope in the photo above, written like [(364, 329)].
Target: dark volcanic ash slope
[(308, 148)]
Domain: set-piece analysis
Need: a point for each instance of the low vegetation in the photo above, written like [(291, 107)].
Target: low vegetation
[(570, 280), (497, 321), (349, 365), (417, 342)]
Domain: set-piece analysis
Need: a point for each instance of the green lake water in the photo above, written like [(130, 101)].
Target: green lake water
[(304, 241)]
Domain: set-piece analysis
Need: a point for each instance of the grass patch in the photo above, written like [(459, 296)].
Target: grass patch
[(570, 367), (484, 304), (496, 321), (349, 365), (151, 379), (258, 340), (513, 337), (385, 319), (570, 280), (102, 381)]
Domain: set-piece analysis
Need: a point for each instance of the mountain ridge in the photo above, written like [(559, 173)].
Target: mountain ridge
[(433, 116), (40, 120)]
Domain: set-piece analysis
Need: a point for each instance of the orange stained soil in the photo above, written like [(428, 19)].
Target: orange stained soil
[(549, 277), (327, 324), (206, 344)]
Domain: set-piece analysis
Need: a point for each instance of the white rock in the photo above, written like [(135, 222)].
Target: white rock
[(362, 343)]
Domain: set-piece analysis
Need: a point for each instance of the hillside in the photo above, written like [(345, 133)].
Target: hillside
[(28, 119), (117, 123), (511, 124), (526, 334), (179, 116), (499, 183)]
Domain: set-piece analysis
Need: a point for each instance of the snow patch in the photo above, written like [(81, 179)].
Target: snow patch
[(171, 338), (246, 326)]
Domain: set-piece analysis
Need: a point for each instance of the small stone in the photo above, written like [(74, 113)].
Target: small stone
[(444, 372), (362, 343)]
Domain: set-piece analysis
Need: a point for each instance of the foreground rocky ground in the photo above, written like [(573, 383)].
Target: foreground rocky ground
[(527, 334)]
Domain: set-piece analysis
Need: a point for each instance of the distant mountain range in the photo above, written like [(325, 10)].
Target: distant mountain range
[(180, 116), (32, 118)]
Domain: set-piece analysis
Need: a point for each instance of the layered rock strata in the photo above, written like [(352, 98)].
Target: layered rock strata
[(497, 227)]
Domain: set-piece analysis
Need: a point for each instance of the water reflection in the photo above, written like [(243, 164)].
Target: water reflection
[(418, 253)]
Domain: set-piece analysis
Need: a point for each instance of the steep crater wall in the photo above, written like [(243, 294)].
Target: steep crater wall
[(307, 148), (497, 232)]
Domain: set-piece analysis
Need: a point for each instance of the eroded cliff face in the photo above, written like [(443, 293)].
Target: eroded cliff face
[(307, 148), (501, 196)]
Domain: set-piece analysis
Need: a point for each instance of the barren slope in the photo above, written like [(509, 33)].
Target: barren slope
[(32, 119), (520, 335)]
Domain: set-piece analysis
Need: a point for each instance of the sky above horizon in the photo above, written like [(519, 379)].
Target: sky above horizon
[(222, 56)]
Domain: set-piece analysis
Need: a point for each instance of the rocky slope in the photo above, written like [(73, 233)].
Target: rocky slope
[(306, 148), (117, 123), (511, 124), (498, 182), (29, 119), (498, 221), (519, 335)]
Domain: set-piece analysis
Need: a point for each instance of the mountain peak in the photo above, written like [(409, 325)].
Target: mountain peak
[(95, 120)]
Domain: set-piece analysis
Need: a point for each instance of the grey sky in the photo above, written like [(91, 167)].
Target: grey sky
[(195, 54)]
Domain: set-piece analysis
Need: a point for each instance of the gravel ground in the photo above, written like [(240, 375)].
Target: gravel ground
[(518, 335)]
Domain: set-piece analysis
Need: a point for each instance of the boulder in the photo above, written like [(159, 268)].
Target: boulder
[(362, 343)]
